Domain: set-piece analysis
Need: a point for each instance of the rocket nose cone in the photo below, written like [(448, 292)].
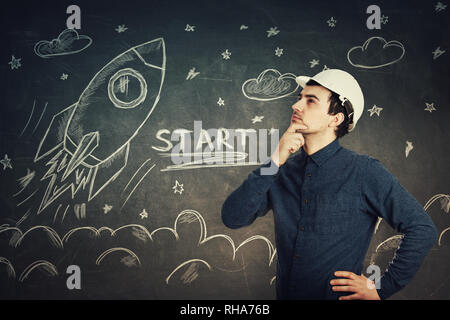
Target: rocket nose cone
[(153, 53)]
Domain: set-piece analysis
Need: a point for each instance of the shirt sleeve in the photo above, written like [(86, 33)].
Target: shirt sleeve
[(251, 198), (388, 199)]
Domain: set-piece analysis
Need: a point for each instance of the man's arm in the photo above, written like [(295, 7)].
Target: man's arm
[(388, 199), (250, 200)]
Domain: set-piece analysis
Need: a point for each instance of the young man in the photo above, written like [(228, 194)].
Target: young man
[(327, 199)]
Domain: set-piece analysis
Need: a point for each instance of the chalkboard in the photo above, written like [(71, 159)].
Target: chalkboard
[(92, 117)]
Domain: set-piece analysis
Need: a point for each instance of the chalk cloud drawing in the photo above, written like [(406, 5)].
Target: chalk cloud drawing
[(444, 200), (375, 110), (42, 265), (81, 156), (68, 42), (376, 52), (270, 85), (243, 27), (9, 267), (15, 63), (189, 227), (128, 261)]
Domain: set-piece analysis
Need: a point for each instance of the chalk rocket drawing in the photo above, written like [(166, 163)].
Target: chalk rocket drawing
[(83, 155), (374, 53)]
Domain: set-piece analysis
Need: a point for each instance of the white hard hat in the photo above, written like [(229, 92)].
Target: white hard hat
[(344, 85)]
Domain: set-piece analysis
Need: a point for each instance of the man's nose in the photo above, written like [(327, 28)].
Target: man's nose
[(298, 106)]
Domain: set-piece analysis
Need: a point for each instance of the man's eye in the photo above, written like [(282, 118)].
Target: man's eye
[(310, 100)]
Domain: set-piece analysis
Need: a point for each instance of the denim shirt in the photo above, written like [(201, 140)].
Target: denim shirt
[(325, 209)]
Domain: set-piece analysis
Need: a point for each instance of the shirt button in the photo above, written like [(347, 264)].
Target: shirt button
[(297, 256), (302, 228), (306, 201), (309, 174), (259, 193)]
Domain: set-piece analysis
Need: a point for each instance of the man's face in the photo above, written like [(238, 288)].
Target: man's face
[(311, 109)]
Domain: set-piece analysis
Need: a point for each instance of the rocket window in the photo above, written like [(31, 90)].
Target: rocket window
[(127, 88)]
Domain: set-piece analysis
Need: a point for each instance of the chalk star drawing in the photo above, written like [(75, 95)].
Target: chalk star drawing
[(226, 54), (325, 67), (143, 214), (272, 32), (408, 148), (192, 74), (278, 52), (178, 187), (221, 102), (64, 76), (189, 28), (437, 53), (15, 63), (243, 27), (439, 7), (121, 28), (374, 110), (313, 63), (384, 19), (430, 107), (107, 208), (257, 119), (331, 22), (6, 162)]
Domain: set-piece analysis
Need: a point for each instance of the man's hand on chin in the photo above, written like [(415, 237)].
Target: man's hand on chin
[(362, 288)]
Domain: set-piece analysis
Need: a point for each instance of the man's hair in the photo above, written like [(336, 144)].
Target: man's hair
[(336, 107)]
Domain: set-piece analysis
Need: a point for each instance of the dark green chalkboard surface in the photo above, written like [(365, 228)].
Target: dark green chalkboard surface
[(91, 119)]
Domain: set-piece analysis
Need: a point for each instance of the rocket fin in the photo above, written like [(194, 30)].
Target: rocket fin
[(107, 171), (87, 144), (54, 136)]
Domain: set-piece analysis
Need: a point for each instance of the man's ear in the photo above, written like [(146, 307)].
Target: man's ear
[(337, 119)]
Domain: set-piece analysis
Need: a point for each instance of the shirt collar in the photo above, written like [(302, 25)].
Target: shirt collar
[(321, 156)]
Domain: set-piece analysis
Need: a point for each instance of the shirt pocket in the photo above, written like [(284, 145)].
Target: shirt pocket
[(336, 213)]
